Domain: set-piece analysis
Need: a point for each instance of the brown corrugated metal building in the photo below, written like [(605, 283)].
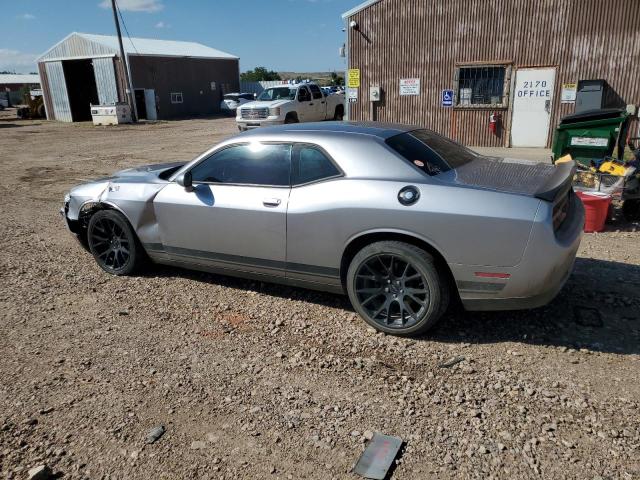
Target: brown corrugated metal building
[(516, 59), (170, 79)]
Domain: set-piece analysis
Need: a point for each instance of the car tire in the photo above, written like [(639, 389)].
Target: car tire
[(339, 114), (113, 243), (397, 288), (291, 118)]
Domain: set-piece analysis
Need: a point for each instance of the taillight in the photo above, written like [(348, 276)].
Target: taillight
[(561, 210)]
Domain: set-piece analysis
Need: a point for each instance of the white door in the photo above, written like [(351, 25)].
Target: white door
[(150, 103), (532, 106)]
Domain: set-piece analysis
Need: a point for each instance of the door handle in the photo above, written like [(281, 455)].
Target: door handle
[(271, 202)]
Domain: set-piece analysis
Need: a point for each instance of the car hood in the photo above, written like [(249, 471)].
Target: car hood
[(148, 173), (271, 104), (512, 175)]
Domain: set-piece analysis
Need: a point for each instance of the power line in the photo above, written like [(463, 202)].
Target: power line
[(126, 29)]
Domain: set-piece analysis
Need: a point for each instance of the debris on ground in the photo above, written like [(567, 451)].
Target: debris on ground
[(41, 472), (451, 362), (155, 433), (378, 458)]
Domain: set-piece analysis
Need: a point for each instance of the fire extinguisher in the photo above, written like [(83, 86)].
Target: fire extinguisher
[(494, 119)]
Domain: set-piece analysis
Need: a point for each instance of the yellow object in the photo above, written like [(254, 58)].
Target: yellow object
[(613, 168), (353, 78), (564, 159)]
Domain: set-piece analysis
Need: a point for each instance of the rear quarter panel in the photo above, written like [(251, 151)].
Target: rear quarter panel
[(467, 226)]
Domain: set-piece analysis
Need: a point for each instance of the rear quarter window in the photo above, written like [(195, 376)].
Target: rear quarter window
[(430, 152)]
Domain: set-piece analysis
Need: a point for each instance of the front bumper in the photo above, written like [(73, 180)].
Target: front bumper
[(246, 124), (545, 267)]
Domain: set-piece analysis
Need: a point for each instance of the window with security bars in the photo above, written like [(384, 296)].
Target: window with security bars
[(481, 85)]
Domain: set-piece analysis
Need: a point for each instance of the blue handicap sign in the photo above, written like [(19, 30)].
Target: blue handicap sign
[(447, 98)]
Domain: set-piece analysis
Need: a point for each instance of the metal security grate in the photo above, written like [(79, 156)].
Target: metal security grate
[(481, 85)]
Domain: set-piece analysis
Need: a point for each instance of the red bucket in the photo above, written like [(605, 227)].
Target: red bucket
[(596, 210)]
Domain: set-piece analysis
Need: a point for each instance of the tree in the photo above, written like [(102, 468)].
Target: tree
[(259, 74), (336, 79)]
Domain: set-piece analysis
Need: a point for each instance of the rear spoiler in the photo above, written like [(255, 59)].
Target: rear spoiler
[(559, 183)]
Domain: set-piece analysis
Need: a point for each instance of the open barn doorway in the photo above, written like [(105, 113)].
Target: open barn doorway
[(81, 88)]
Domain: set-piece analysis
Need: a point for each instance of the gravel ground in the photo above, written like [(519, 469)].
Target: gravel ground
[(254, 380)]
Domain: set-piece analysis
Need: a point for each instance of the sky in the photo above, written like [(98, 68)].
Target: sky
[(282, 35)]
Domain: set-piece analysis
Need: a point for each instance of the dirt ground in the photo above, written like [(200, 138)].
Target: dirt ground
[(256, 381)]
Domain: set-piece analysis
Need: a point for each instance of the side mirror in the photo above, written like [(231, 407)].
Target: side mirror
[(185, 180)]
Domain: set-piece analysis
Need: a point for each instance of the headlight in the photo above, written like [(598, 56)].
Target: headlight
[(274, 112)]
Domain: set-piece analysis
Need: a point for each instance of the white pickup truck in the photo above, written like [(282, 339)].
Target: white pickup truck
[(290, 104)]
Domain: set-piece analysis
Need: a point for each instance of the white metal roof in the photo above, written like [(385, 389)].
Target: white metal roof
[(7, 78), (354, 10), (148, 46)]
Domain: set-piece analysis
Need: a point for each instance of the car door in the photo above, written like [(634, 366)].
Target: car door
[(305, 105), (312, 242), (319, 105), (234, 216)]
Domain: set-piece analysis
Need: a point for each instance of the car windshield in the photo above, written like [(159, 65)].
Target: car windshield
[(277, 93), (232, 96), (430, 152)]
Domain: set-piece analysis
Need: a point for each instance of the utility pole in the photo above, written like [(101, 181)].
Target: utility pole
[(125, 63)]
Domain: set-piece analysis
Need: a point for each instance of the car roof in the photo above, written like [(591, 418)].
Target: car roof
[(375, 129)]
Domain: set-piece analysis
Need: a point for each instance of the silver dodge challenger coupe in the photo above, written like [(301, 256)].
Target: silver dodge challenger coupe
[(398, 217)]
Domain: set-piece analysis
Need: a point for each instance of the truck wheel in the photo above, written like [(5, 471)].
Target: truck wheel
[(339, 115), (291, 118)]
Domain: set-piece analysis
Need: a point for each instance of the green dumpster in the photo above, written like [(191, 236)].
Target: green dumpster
[(591, 136)]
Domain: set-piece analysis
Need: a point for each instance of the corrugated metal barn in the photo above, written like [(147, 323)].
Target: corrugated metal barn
[(170, 79), (450, 65)]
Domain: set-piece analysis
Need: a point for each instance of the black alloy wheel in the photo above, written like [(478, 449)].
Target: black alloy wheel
[(396, 288), (113, 243)]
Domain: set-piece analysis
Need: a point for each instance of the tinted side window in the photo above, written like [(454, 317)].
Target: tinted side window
[(315, 91), (303, 94), (310, 164), (430, 152), (255, 164)]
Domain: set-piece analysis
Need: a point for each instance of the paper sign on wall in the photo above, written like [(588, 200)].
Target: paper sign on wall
[(568, 94), (409, 86), (352, 95)]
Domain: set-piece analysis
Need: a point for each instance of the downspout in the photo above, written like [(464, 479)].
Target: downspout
[(347, 108)]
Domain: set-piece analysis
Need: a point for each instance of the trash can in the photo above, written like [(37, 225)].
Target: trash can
[(596, 210), (591, 136)]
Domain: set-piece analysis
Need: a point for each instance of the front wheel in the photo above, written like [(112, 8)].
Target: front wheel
[(397, 288), (113, 243)]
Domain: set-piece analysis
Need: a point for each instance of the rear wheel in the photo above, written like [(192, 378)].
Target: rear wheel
[(339, 114), (397, 288), (113, 243)]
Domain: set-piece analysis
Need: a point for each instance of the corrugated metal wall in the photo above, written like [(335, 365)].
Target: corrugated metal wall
[(105, 80), (416, 38), (57, 88)]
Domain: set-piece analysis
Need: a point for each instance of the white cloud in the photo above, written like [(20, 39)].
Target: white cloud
[(13, 60), (148, 6), (27, 16), (161, 24)]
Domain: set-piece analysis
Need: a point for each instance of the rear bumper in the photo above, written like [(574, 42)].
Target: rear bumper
[(546, 266)]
